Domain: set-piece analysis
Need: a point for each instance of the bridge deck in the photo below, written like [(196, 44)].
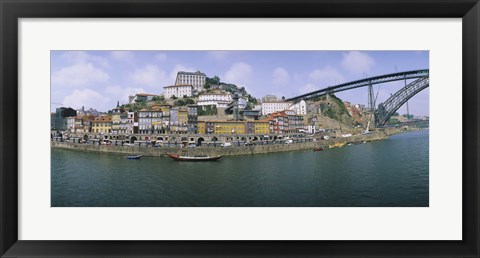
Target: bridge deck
[(415, 74)]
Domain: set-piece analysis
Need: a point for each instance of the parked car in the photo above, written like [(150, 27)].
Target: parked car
[(192, 145), (289, 141), (226, 144)]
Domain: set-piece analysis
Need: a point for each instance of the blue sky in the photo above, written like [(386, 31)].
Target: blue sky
[(97, 79)]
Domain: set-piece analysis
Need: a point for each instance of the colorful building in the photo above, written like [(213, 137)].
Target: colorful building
[(132, 122), (278, 122), (261, 127), (201, 127), (178, 120), (102, 124), (192, 112), (150, 121)]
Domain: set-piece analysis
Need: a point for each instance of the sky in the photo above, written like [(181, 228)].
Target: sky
[(98, 79)]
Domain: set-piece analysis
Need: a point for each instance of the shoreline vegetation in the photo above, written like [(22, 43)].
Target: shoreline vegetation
[(305, 144)]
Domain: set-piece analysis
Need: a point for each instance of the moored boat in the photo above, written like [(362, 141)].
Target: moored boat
[(318, 149), (193, 158), (133, 156)]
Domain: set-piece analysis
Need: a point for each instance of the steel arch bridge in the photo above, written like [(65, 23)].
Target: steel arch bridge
[(415, 74), (391, 105), (386, 109)]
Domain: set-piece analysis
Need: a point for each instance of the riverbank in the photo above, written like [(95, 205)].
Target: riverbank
[(233, 150), (364, 175)]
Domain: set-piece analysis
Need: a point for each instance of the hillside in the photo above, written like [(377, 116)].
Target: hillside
[(331, 113)]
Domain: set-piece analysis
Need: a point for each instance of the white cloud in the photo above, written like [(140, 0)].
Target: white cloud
[(150, 75), (121, 93), (87, 98), (326, 76), (309, 87), (357, 62), (76, 57), (280, 76), (161, 57), (78, 75), (239, 74), (218, 55), (122, 55)]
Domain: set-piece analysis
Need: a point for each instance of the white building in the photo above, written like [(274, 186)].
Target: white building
[(178, 91), (300, 108), (220, 100), (270, 107), (196, 79), (242, 103)]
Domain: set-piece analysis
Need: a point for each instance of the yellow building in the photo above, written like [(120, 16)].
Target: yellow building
[(261, 127), (229, 127), (183, 116), (201, 127), (102, 125), (116, 122)]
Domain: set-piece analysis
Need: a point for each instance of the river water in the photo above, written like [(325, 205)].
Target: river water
[(387, 173)]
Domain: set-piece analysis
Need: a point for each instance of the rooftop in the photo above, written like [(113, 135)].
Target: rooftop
[(180, 85), (191, 73), (102, 120)]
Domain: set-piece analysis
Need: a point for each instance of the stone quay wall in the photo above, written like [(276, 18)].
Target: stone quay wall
[(213, 151)]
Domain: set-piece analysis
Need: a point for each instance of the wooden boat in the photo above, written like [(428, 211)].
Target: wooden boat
[(133, 156), (193, 158), (318, 149)]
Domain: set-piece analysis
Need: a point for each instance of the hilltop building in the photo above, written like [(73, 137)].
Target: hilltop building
[(270, 107), (178, 91), (195, 79), (220, 100)]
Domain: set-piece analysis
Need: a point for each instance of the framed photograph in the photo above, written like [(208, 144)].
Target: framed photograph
[(226, 128)]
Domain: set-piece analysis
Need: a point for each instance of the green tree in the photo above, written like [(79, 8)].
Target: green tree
[(158, 98), (207, 110), (184, 102), (216, 79)]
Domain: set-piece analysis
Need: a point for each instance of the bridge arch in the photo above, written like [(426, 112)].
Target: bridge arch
[(391, 105), (416, 74)]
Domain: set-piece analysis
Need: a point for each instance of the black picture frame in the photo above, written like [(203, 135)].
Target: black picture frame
[(12, 10)]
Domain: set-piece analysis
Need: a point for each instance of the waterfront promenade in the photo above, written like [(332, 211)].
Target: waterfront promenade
[(235, 149)]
